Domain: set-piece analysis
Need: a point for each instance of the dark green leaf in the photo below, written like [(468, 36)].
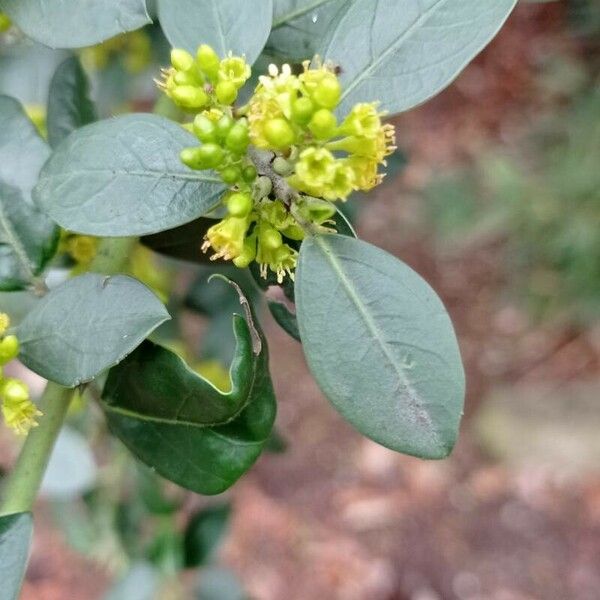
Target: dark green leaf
[(15, 538), (206, 460), (69, 104), (380, 345), (226, 25), (28, 240), (123, 177), (402, 53), (204, 533), (86, 326), (73, 23), (285, 318)]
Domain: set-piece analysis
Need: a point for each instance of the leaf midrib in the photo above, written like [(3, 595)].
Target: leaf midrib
[(298, 13)]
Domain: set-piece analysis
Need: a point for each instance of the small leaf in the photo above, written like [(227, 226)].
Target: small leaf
[(380, 345), (204, 533), (69, 104), (285, 318), (86, 326), (226, 25), (73, 23), (123, 177), (204, 459), (15, 539), (28, 240), (402, 53)]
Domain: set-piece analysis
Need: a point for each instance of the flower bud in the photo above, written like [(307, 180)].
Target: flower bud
[(323, 124), (204, 129), (328, 92), (270, 238), (279, 133), (226, 92), (188, 96), (14, 391), (9, 349), (282, 167), (181, 59), (238, 138), (223, 126), (239, 204), (249, 173), (208, 61), (231, 175), (302, 110), (211, 155), (248, 253), (5, 22)]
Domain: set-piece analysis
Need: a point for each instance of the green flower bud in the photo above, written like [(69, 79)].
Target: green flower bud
[(189, 96), (239, 204), (282, 167), (190, 158), (262, 187), (181, 59), (226, 92), (302, 110), (208, 61), (323, 124), (328, 92), (248, 253), (238, 138), (204, 129), (279, 133), (231, 175), (211, 155), (14, 391), (9, 349), (181, 78), (223, 127), (270, 238), (249, 173)]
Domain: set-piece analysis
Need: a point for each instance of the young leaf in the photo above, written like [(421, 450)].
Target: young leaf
[(204, 533), (69, 104), (123, 177), (380, 345), (227, 25), (28, 240), (73, 23), (15, 538), (86, 326), (204, 459), (403, 53)]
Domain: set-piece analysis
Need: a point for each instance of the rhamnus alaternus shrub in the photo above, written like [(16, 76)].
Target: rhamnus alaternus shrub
[(248, 173)]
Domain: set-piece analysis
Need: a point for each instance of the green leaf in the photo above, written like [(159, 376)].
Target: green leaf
[(73, 23), (28, 240), (401, 53), (146, 383), (204, 533), (285, 318), (299, 27), (123, 177), (380, 345), (15, 539), (226, 25), (87, 325), (204, 459), (69, 104)]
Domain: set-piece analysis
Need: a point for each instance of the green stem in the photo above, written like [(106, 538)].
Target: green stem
[(26, 477), (24, 482)]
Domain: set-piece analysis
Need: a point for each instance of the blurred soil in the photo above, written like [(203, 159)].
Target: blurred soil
[(338, 517)]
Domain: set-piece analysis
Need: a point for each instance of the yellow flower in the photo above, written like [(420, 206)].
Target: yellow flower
[(227, 238), (316, 167), (17, 409), (366, 176), (4, 323), (83, 249), (282, 261), (343, 182), (234, 69)]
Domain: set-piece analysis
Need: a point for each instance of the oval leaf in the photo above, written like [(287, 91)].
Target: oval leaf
[(73, 23), (69, 104), (285, 318), (227, 25), (380, 345), (123, 177), (86, 326), (15, 539), (204, 459), (402, 53)]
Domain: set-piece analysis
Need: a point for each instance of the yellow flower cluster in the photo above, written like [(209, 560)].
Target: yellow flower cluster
[(18, 410)]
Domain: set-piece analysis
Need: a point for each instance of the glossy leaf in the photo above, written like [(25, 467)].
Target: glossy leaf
[(226, 25), (87, 325), (27, 237), (204, 533), (285, 318), (15, 539), (380, 345), (75, 23), (123, 177), (401, 53), (69, 104), (204, 459)]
